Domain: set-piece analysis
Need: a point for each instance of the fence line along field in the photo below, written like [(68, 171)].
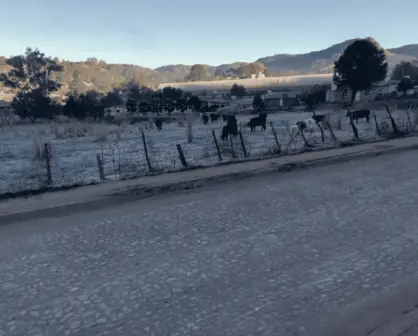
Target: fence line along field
[(64, 154)]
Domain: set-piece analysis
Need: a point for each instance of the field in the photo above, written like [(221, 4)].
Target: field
[(74, 147)]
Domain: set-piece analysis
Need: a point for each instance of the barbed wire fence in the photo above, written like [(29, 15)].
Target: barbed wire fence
[(37, 164)]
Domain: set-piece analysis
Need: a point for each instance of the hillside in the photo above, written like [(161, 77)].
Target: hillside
[(101, 76), (408, 50), (322, 61)]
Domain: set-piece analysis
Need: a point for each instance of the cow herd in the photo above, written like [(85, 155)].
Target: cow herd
[(306, 126), (231, 127)]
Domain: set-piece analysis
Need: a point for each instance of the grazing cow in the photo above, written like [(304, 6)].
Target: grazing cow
[(231, 122), (225, 133), (205, 119), (231, 128), (319, 118), (214, 117), (359, 114), (159, 124), (212, 108), (304, 126), (258, 121)]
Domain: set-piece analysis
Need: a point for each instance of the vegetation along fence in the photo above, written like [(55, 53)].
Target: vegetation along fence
[(58, 155)]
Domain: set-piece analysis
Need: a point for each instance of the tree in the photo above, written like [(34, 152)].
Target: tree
[(172, 93), (244, 70), (405, 84), (181, 104), (112, 98), (131, 106), (238, 90), (73, 107), (257, 67), (79, 106), (132, 90), (31, 75), (362, 64), (194, 102), (31, 71), (316, 95), (198, 72), (220, 74), (91, 101), (405, 69), (258, 103), (33, 105)]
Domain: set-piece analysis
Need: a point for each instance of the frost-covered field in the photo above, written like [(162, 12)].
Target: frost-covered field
[(75, 146)]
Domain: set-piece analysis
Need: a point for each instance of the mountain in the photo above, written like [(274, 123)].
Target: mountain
[(103, 77), (322, 61)]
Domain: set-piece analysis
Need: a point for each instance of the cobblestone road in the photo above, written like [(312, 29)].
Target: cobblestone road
[(272, 256)]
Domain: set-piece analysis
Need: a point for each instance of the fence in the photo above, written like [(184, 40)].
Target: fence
[(33, 164)]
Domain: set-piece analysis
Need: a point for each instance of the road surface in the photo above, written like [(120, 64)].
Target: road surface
[(275, 255)]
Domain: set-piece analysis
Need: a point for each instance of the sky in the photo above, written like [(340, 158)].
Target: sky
[(152, 33)]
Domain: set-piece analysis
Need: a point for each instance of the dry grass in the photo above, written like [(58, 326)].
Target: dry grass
[(70, 130)]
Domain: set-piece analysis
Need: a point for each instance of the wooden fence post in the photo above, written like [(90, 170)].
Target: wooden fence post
[(377, 125), (353, 126), (322, 131), (279, 149), (146, 151), (181, 156), (334, 138), (409, 121), (48, 163), (307, 144), (217, 145), (244, 150), (232, 147), (100, 166)]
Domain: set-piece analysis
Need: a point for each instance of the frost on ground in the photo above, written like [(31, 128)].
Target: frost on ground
[(75, 146)]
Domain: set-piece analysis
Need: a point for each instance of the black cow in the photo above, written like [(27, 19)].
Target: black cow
[(319, 117), (231, 122), (258, 121), (231, 128), (214, 117), (224, 117), (225, 133), (212, 108), (159, 124), (205, 119), (359, 114)]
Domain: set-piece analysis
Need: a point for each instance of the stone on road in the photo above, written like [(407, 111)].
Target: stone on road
[(274, 255)]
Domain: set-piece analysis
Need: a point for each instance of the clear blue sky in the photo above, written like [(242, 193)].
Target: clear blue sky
[(158, 32)]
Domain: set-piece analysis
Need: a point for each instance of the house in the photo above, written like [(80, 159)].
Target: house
[(383, 89), (6, 111), (280, 99), (114, 111), (210, 102), (258, 75)]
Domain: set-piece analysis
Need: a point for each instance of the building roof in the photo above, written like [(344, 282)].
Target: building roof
[(279, 95), (253, 83)]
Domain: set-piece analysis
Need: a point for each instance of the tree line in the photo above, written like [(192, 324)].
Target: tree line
[(34, 77), (200, 72)]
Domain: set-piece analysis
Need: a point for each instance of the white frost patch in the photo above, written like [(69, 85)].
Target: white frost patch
[(74, 147)]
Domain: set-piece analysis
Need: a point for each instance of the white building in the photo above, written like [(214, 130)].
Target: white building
[(115, 111), (383, 89)]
